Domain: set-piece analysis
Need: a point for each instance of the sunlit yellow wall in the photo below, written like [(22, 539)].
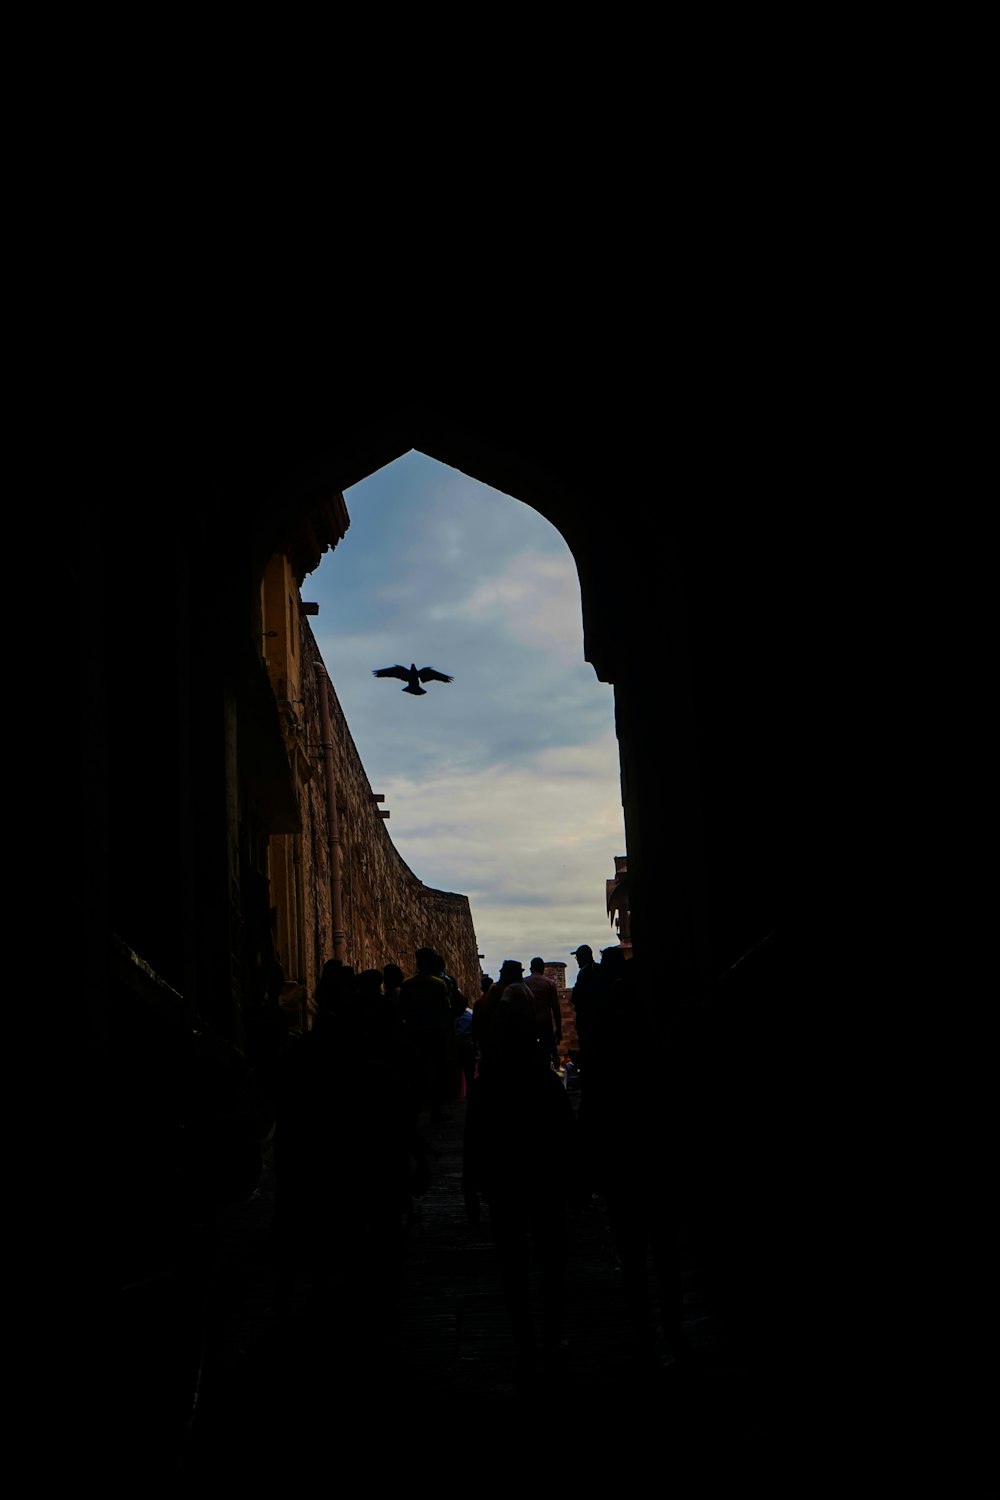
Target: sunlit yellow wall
[(279, 597), (387, 911)]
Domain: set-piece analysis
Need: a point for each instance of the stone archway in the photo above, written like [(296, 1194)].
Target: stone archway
[(678, 585), (641, 569), (680, 597)]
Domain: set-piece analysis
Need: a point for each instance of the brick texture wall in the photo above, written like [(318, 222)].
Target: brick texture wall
[(387, 910)]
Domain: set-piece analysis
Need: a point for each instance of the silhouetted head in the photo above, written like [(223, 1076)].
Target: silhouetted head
[(393, 976), (426, 961), (614, 961), (514, 1044), (328, 981), (584, 954), (538, 966), (336, 985), (370, 984), (485, 983), (511, 971)]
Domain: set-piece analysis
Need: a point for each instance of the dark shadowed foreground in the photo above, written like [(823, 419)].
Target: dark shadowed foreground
[(413, 1395)]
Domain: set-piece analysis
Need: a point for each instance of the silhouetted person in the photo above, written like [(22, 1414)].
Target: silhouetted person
[(584, 996), (456, 999), (335, 991), (374, 1008), (398, 1100), (466, 1045), (613, 965), (548, 1018), (368, 985), (392, 980), (457, 1004), (485, 1010), (425, 1009), (522, 1154), (631, 1149), (293, 1002), (266, 1032), (341, 1189), (304, 1176)]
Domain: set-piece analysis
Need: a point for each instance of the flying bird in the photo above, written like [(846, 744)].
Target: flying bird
[(412, 677)]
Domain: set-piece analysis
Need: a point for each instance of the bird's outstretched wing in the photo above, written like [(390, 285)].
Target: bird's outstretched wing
[(429, 674), (392, 672)]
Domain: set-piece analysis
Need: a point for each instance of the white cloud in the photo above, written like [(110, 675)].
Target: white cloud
[(505, 784), (531, 846), (535, 599)]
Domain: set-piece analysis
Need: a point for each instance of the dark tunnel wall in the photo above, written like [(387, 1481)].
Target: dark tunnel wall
[(680, 574), (675, 534), (675, 541)]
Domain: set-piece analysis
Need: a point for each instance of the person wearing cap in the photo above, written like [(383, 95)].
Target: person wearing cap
[(509, 988), (548, 1019), (585, 993)]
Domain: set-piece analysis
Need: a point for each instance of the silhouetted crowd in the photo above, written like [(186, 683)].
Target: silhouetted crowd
[(349, 1177)]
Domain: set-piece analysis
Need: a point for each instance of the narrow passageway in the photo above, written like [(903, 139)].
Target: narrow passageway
[(434, 1385), (234, 844)]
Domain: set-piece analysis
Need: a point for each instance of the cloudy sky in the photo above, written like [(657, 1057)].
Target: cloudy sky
[(504, 784)]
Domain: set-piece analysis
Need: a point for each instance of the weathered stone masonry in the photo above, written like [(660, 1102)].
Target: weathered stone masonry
[(386, 910)]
